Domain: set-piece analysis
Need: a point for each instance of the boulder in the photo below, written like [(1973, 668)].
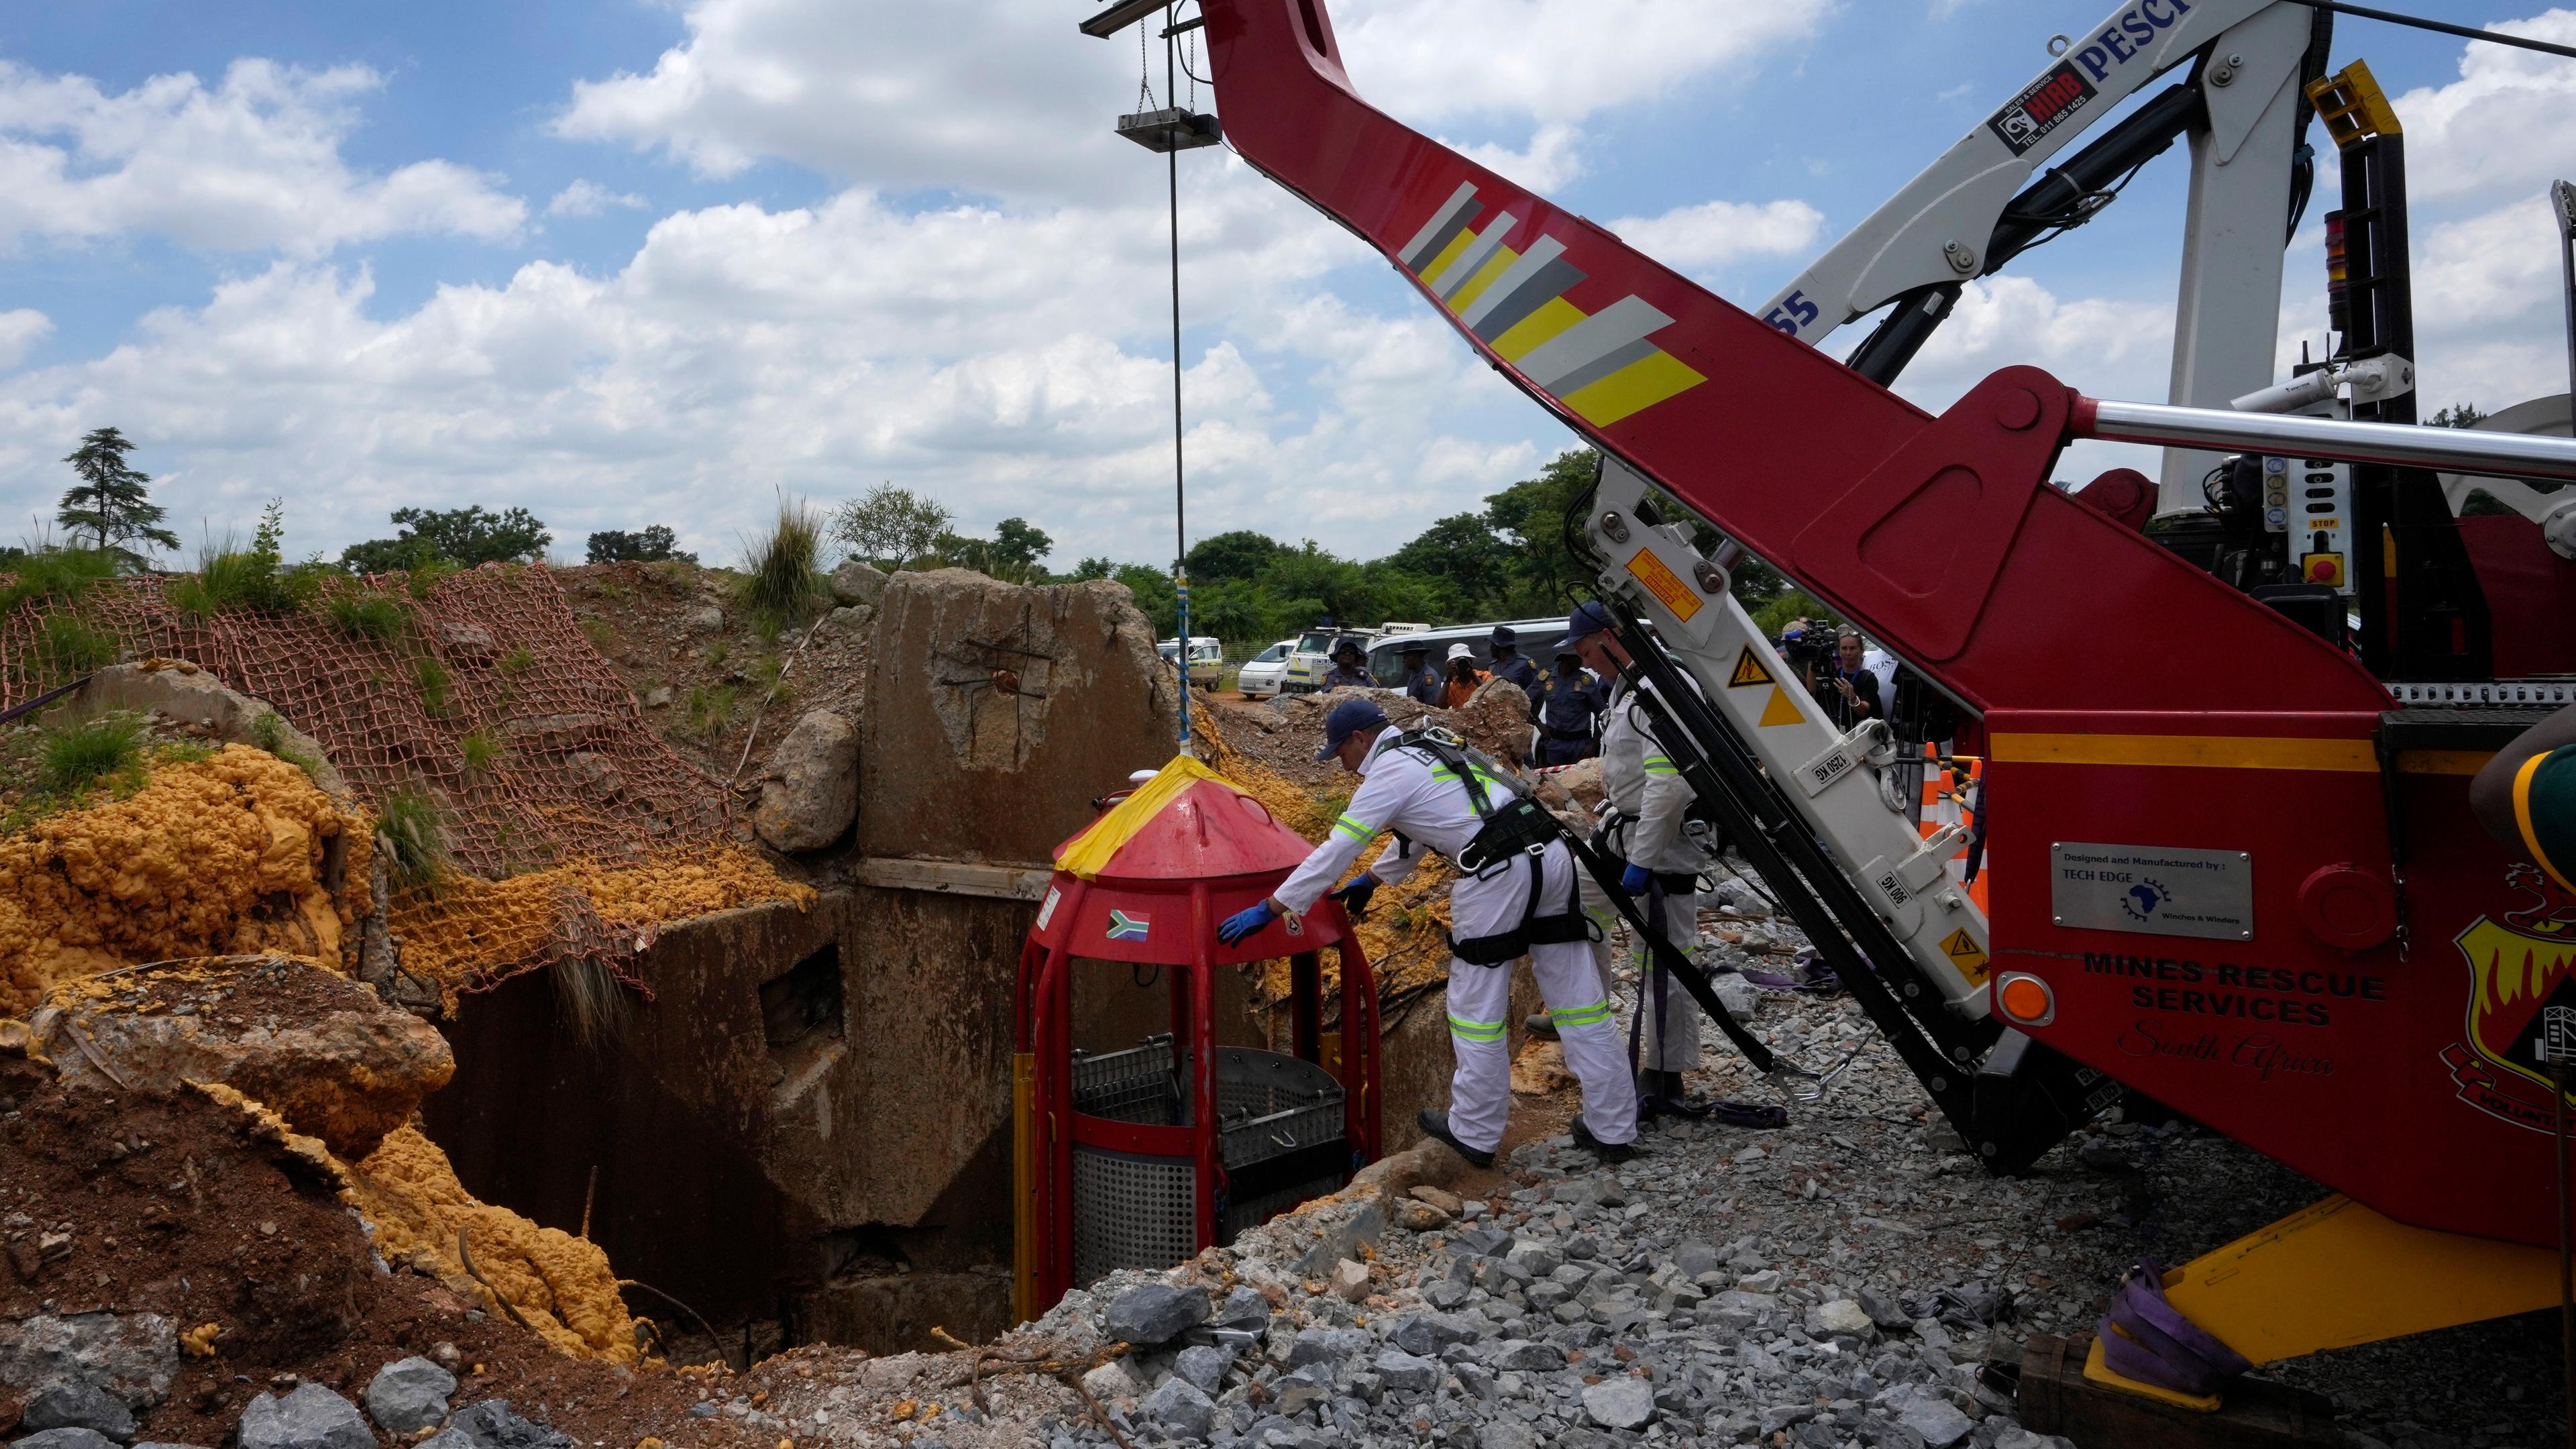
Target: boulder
[(704, 619), (1924, 1411), (1526, 1356), (1407, 1373), (1155, 1313), (492, 1425), (131, 1355), (409, 1395), (1438, 1197), (814, 790), (1181, 1408), (1327, 1346), (322, 1051), (1428, 1333), (190, 695), (1507, 1434), (1621, 1403), (78, 1404), (1841, 1316), (70, 1438), (311, 1417), (857, 583), (1203, 1365), (1350, 1282)]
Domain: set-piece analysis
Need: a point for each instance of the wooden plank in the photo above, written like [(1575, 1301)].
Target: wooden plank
[(956, 877), (2054, 1397)]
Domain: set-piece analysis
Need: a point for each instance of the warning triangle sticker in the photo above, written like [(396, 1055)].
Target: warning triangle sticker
[(1748, 670), (1781, 710), (1963, 951)]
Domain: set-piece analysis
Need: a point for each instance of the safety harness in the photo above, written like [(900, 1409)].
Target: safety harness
[(1515, 826)]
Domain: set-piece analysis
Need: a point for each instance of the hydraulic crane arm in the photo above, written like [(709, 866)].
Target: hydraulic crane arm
[(1941, 536)]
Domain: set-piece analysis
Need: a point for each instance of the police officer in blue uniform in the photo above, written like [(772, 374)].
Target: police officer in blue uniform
[(1510, 663), (1569, 713), (1421, 682)]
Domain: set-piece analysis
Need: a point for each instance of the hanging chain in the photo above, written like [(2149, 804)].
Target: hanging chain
[(1144, 74)]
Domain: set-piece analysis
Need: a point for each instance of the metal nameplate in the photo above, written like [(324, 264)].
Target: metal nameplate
[(2157, 890)]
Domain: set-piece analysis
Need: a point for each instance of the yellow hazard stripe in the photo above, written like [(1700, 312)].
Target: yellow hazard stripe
[(1494, 267), (1476, 1030), (1640, 385), (1523, 337), (2209, 752), (1661, 765), (1356, 829)]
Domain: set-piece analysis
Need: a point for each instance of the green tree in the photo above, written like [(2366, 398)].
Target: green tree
[(1530, 516), (110, 502), (1017, 541), (1464, 551), (892, 526), (1241, 554), (2459, 415), (646, 545), (465, 537)]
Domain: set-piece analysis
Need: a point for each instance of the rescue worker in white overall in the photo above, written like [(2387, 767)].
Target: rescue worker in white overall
[(1653, 803), (1409, 792)]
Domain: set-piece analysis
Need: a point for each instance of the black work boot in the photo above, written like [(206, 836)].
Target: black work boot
[(1608, 1152), (1671, 1094), (1437, 1124), (1541, 1025)]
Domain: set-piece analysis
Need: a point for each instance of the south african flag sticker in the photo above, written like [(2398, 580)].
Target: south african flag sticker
[(1124, 927)]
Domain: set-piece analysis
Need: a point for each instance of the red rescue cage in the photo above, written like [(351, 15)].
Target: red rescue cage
[(1140, 1156)]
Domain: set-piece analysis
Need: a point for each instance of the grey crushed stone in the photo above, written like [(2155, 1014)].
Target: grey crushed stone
[(1838, 1283)]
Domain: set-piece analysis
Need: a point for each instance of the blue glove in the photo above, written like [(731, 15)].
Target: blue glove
[(1244, 922), (1635, 879), (1355, 896)]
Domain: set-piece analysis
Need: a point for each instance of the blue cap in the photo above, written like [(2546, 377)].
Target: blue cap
[(1590, 618), (1347, 719), (1503, 634)]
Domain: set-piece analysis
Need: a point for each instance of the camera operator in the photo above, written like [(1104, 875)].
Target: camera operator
[(1834, 671)]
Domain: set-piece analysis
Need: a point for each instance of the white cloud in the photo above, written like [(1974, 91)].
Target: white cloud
[(589, 198), (1553, 157), (1713, 233), (1018, 103), (2099, 347), (252, 164), (1010, 363), (20, 331), (1554, 60), (2507, 126)]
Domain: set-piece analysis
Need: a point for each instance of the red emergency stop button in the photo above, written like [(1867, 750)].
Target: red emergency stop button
[(2325, 568)]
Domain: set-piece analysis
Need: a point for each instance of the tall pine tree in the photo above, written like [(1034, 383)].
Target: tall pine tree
[(109, 502)]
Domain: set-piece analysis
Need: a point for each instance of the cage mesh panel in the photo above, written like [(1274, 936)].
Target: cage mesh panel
[(581, 783), (1130, 1211), (1137, 1211)]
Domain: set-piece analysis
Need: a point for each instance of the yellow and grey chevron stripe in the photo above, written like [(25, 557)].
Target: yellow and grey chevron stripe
[(1476, 1030), (1580, 1015), (1356, 828), (1600, 365)]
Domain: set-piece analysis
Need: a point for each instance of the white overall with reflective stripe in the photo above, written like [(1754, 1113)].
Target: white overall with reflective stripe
[(1408, 792), (1648, 790)]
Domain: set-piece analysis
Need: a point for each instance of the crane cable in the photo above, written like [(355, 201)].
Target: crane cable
[(2465, 32)]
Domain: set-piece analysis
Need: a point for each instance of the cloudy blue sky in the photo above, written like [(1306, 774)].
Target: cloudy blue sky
[(627, 263)]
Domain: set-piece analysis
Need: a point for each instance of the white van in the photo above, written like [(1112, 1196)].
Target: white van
[(1266, 673), (1207, 658)]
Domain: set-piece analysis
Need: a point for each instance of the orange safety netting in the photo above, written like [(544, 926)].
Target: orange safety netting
[(488, 700)]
